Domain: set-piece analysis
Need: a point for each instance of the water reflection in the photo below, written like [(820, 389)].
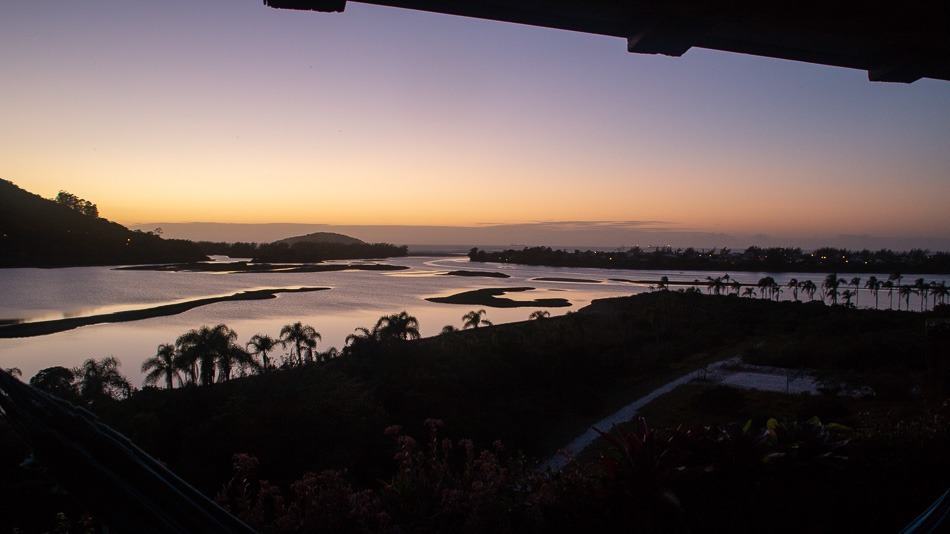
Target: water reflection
[(356, 298)]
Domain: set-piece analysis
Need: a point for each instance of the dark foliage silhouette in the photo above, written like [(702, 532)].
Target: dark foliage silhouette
[(38, 232)]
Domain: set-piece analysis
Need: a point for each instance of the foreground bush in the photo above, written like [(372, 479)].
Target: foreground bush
[(445, 485)]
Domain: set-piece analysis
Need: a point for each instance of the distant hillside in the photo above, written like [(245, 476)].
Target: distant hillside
[(322, 238), (37, 232)]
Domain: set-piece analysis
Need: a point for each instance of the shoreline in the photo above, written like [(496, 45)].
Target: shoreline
[(52, 326)]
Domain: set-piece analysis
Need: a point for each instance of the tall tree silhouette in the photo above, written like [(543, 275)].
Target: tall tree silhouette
[(299, 335), (856, 284), (58, 381), (261, 345), (99, 380), (234, 356), (766, 287), (922, 289), (896, 278), (904, 292), (162, 366), (874, 286), (809, 288), (794, 285), (201, 348), (889, 286), (474, 319), (831, 285), (939, 292), (400, 326)]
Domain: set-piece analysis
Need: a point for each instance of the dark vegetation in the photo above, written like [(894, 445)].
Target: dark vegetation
[(534, 385), (571, 280), (490, 296), (774, 259), (303, 251), (487, 274), (322, 238), (36, 232), (67, 231), (247, 267)]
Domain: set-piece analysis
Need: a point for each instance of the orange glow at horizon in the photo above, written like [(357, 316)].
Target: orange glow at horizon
[(403, 118)]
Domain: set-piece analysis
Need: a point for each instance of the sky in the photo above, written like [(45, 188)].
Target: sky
[(228, 111)]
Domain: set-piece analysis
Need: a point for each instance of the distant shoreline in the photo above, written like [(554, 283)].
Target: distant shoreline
[(774, 260), (41, 328), (248, 267)]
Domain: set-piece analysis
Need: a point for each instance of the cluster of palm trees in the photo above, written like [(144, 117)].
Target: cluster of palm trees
[(388, 329), (211, 354), (833, 290)]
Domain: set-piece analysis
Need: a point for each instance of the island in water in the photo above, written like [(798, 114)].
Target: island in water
[(490, 297), (10, 329)]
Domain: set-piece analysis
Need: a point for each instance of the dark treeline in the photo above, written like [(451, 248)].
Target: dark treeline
[(303, 251), (35, 231), (67, 231), (772, 259)]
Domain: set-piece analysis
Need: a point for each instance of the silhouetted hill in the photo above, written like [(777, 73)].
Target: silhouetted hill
[(322, 238), (36, 232)]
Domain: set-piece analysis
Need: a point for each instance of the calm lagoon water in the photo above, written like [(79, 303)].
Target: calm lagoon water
[(356, 298)]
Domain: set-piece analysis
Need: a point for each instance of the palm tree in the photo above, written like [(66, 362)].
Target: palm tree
[(896, 278), (939, 292), (874, 286), (794, 286), (766, 284), (448, 329), (400, 326), (736, 287), (234, 355), (162, 366), (100, 380), (776, 291), (922, 289), (749, 292), (260, 345), (474, 319), (539, 314), (831, 285), (714, 285), (360, 334), (664, 283), (904, 291), (300, 335), (889, 286), (856, 283), (200, 349), (809, 288)]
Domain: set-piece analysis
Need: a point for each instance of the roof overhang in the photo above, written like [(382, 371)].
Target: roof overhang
[(893, 42)]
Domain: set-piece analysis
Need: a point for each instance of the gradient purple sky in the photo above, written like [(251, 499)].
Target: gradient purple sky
[(228, 111)]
